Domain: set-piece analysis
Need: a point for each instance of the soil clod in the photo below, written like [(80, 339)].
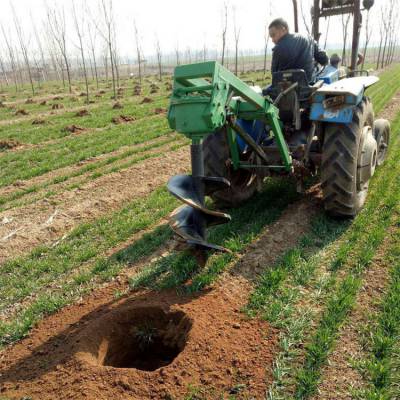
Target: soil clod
[(82, 113), (117, 106), (21, 111), (146, 100), (160, 110), (8, 144), (73, 129), (122, 118), (57, 106), (38, 121)]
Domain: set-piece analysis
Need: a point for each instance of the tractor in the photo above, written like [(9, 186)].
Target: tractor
[(241, 134)]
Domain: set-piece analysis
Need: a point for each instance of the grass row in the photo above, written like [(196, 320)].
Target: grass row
[(34, 162), (382, 92), (95, 170), (380, 367)]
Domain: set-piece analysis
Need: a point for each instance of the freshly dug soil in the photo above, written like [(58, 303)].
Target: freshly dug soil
[(82, 113), (8, 144), (146, 100), (122, 119), (74, 128), (152, 345)]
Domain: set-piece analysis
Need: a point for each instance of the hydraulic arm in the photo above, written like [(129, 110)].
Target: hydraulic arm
[(206, 97)]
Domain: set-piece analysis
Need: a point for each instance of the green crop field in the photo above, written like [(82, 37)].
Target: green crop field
[(331, 298)]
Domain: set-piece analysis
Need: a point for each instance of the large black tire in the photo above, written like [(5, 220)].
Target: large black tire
[(343, 193), (217, 163)]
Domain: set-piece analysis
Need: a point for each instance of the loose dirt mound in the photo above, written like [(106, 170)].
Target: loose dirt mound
[(202, 340), (122, 119), (43, 103), (160, 110), (117, 106), (29, 101), (82, 113), (57, 106), (73, 129), (146, 100), (8, 144), (38, 121), (21, 112)]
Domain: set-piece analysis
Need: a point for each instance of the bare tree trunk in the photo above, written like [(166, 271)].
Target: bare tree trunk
[(266, 42), (159, 59), (224, 29), (79, 32), (345, 26), (4, 71), (92, 40), (106, 65), (368, 34), (108, 37), (305, 22), (177, 54), (11, 57), (327, 32), (58, 27), (24, 48), (204, 51), (138, 51), (295, 15), (42, 57), (236, 31)]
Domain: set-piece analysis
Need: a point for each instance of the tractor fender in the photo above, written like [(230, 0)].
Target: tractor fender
[(335, 103)]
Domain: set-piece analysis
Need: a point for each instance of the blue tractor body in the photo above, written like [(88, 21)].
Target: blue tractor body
[(333, 102)]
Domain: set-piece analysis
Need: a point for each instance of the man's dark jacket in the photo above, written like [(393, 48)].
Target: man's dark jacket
[(294, 51)]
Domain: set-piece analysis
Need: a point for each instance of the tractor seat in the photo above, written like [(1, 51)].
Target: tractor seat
[(298, 98), (281, 80)]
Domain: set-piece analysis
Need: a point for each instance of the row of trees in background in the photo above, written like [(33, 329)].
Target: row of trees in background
[(91, 51)]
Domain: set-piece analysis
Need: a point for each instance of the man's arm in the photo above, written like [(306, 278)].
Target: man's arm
[(320, 56)]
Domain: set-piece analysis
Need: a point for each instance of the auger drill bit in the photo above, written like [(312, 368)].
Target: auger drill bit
[(191, 220)]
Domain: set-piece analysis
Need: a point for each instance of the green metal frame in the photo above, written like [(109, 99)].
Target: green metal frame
[(206, 96)]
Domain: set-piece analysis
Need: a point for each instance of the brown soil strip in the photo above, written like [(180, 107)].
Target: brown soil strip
[(46, 221), (96, 349)]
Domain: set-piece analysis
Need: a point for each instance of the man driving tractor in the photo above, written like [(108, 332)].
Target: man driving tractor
[(294, 51)]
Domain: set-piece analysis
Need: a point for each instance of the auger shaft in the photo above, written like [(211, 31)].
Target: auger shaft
[(196, 152)]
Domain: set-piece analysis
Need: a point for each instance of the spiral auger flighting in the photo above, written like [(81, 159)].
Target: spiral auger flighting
[(191, 220)]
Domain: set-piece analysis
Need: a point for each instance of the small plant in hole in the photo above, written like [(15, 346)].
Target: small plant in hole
[(145, 335)]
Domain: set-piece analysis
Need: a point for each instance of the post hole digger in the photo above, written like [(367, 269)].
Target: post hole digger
[(240, 136)]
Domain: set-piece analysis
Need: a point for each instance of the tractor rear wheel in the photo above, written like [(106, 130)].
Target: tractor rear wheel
[(349, 157), (217, 163)]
